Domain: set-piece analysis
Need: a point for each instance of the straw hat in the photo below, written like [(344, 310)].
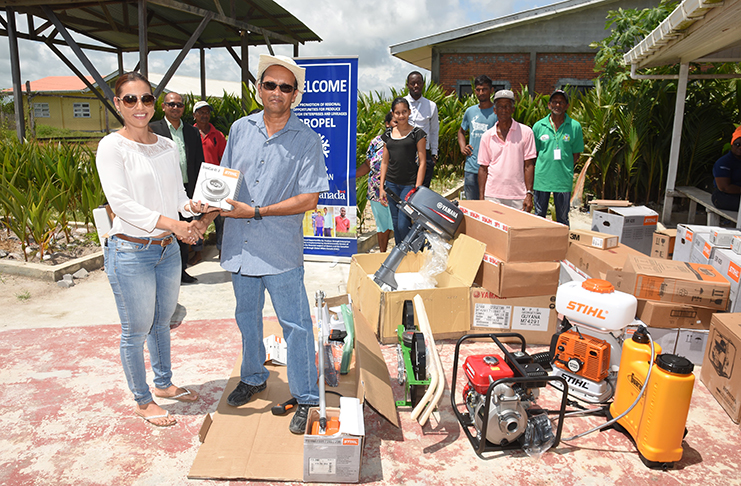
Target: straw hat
[(300, 73)]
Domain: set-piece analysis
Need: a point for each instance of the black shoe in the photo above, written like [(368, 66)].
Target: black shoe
[(243, 393), (187, 279), (298, 422)]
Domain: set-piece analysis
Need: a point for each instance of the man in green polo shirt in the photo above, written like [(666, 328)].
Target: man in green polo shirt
[(559, 142)]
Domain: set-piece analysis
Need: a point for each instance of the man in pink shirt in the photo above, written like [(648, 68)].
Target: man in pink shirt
[(341, 223), (507, 158)]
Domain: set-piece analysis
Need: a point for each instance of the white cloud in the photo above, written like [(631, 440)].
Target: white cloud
[(361, 28)]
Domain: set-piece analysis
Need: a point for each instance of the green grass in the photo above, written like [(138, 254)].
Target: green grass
[(23, 296)]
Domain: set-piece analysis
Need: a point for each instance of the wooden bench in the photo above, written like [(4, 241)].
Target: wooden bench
[(698, 196)]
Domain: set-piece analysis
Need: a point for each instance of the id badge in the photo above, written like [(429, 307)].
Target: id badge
[(556, 154)]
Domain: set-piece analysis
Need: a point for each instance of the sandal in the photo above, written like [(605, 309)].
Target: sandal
[(153, 417), (180, 396)]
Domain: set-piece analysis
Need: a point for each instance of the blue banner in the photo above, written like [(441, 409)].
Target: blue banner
[(330, 107)]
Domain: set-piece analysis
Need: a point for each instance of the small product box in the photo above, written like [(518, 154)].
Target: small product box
[(736, 244), (686, 234), (216, 184), (691, 345), (728, 264), (593, 239), (723, 237), (721, 365), (634, 225), (663, 244), (335, 458), (702, 250)]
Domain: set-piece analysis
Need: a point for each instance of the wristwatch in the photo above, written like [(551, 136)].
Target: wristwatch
[(257, 212)]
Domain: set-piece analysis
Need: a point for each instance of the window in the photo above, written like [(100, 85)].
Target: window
[(41, 110), (575, 87), (464, 88), (81, 110)]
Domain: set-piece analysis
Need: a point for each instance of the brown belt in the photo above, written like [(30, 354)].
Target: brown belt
[(144, 241)]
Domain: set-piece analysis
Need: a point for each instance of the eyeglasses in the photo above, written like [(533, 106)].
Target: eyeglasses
[(270, 86), (173, 104), (130, 100)]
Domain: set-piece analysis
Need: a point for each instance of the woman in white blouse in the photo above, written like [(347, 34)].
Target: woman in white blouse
[(140, 175)]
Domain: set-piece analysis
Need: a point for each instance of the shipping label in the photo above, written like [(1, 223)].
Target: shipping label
[(530, 319), (492, 316)]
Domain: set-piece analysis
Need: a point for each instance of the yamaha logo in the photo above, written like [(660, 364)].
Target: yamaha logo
[(447, 209)]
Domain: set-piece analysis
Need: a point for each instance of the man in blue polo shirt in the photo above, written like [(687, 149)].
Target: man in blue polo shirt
[(559, 142), (284, 173), (727, 176), (476, 120)]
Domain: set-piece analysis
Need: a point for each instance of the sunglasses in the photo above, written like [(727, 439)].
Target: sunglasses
[(130, 100), (173, 104), (270, 86)]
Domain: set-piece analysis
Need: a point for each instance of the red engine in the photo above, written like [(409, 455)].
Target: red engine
[(483, 370)]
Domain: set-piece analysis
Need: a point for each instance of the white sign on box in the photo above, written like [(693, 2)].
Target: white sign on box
[(216, 184)]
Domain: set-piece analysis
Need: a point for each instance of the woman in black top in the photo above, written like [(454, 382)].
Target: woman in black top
[(404, 146)]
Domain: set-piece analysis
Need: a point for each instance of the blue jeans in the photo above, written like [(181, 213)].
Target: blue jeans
[(560, 200), (471, 185), (402, 223), (145, 280), (288, 295)]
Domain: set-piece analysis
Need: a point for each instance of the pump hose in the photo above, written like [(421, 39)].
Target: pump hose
[(638, 398)]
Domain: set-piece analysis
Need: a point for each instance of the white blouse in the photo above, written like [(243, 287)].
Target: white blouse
[(141, 182)]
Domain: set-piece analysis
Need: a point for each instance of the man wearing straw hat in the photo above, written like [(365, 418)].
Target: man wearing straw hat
[(284, 173)]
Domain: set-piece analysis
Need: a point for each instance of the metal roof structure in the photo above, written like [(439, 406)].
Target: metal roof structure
[(697, 31), (148, 25)]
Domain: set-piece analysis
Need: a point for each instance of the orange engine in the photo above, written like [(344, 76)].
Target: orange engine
[(583, 355)]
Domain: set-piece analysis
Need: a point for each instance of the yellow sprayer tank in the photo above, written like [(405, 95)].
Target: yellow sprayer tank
[(657, 422)]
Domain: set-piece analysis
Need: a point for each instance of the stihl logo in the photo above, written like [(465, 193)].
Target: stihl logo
[(587, 310), (734, 271), (707, 250), (649, 220), (350, 442), (231, 173)]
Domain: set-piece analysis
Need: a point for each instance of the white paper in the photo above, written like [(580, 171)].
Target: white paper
[(276, 351), (530, 318), (492, 315), (351, 416)]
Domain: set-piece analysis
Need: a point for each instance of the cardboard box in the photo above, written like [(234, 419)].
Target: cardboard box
[(721, 365), (723, 237), (634, 225), (691, 345), (517, 279), (685, 239), (569, 272), (672, 281), (533, 317), (702, 250), (736, 244), (448, 305), (216, 184), (335, 458), (596, 263), (514, 236), (663, 244), (669, 315), (250, 443), (728, 264), (594, 239)]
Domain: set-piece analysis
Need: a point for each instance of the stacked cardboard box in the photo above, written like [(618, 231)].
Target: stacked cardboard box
[(721, 367), (634, 225), (663, 244), (686, 239), (519, 274)]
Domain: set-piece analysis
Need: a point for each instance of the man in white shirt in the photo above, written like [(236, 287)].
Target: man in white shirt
[(424, 116)]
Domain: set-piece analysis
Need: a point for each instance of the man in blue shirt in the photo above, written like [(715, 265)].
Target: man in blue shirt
[(727, 176), (476, 120), (284, 173)]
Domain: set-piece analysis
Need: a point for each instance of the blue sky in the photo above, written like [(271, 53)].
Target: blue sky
[(362, 28)]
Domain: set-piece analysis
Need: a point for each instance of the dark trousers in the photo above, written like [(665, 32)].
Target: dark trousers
[(722, 200), (429, 170)]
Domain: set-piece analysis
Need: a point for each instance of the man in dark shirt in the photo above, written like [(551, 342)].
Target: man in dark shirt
[(727, 176)]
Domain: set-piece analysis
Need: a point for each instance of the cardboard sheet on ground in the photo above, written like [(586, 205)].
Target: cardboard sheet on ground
[(249, 442)]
